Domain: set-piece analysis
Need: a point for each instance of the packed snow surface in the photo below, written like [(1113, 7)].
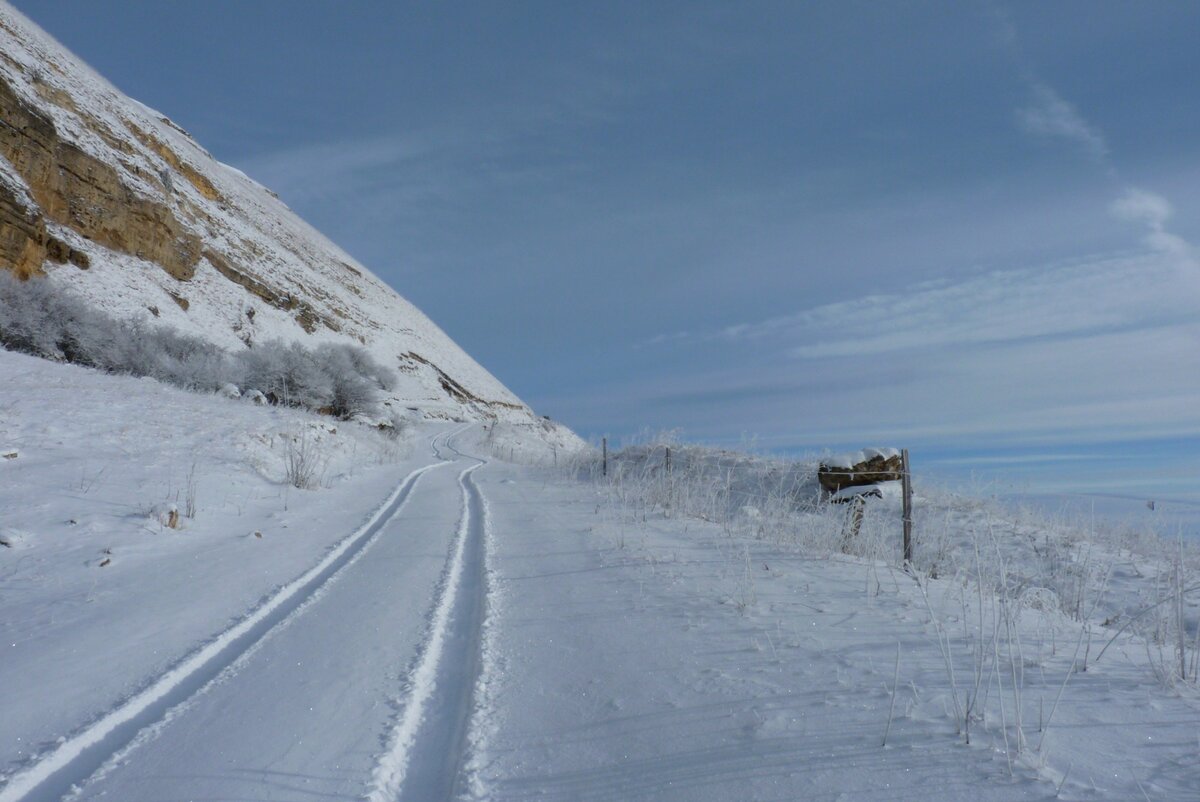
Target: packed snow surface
[(435, 621)]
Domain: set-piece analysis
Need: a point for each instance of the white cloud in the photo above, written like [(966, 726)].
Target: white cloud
[(1022, 459), (1138, 205), (1153, 211), (1004, 306), (1050, 115), (1098, 350)]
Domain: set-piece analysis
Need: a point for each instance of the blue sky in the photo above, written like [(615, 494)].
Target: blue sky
[(966, 228)]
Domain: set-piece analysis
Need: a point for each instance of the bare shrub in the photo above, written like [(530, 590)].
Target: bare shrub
[(189, 500), (302, 461)]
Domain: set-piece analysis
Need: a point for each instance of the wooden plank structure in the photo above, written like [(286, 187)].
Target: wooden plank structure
[(856, 477), (873, 466), (906, 478)]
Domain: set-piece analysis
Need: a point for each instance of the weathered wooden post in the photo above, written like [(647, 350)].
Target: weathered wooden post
[(604, 445), (668, 459), (906, 486)]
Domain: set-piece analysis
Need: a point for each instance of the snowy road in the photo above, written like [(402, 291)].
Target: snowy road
[(323, 689), (424, 759)]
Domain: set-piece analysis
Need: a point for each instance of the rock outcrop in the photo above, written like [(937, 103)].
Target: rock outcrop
[(82, 193)]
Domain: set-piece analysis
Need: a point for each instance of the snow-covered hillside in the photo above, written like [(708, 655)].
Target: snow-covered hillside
[(119, 205)]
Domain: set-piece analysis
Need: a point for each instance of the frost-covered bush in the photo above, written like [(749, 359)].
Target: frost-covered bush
[(354, 379), (289, 373), (32, 317), (709, 483), (37, 319)]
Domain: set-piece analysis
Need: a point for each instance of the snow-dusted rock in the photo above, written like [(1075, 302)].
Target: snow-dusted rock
[(867, 467), (166, 515)]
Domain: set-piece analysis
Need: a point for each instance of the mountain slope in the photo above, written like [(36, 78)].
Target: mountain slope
[(117, 203)]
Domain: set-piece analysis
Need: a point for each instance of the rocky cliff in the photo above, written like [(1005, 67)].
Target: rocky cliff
[(118, 204)]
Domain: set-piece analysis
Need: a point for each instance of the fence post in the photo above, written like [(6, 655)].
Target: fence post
[(906, 486), (853, 523), (604, 445), (668, 459)]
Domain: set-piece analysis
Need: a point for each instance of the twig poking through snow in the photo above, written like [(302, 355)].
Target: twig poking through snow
[(895, 688), (1063, 782)]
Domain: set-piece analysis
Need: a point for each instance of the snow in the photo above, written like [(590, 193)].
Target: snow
[(661, 659), (1169, 516), (393, 765), (850, 459), (99, 454), (889, 490), (436, 621)]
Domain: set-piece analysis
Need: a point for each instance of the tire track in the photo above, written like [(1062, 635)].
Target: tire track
[(424, 759), (55, 773)]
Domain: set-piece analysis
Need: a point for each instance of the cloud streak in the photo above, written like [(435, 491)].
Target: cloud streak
[(1153, 211), (1000, 307), (1050, 115), (1098, 350)]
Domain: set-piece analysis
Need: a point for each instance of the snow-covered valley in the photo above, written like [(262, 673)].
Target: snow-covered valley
[(432, 621)]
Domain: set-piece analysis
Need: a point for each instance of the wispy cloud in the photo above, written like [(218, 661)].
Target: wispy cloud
[(663, 339), (1140, 206), (1050, 115), (1099, 350), (1153, 211), (1020, 459), (319, 169), (1005, 306)]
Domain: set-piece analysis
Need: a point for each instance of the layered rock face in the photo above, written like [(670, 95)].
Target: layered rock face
[(119, 205), (25, 245), (81, 192)]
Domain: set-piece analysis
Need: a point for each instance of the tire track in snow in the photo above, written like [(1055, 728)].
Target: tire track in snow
[(424, 758), (58, 772)]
